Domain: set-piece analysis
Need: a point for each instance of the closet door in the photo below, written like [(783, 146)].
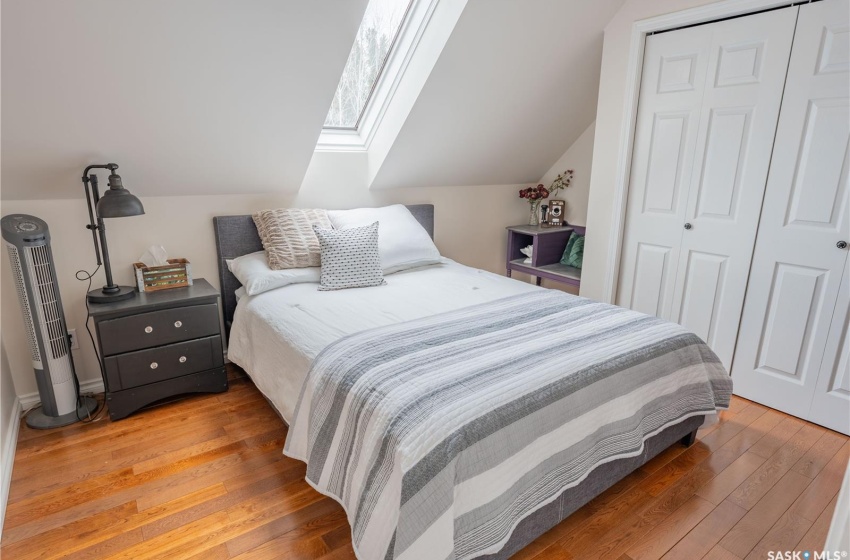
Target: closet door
[(798, 261), (740, 108), (707, 115), (672, 85), (831, 400)]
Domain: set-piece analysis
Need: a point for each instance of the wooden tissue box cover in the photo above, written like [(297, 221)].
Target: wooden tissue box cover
[(176, 274)]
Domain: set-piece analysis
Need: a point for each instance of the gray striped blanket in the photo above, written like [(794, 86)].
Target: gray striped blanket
[(439, 435)]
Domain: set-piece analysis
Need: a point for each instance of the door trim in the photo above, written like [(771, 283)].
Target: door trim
[(640, 29)]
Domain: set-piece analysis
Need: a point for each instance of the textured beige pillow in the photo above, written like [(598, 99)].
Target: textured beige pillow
[(288, 237)]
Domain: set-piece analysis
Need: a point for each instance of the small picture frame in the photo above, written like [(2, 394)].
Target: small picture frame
[(556, 213)]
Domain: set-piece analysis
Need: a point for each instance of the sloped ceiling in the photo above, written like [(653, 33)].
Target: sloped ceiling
[(514, 87), (187, 96)]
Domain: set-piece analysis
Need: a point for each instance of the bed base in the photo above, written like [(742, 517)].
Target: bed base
[(599, 480)]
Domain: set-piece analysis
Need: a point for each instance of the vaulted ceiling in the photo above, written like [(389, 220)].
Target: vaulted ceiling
[(187, 96), (515, 86), (227, 96)]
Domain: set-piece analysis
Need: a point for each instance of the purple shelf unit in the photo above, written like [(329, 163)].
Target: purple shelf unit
[(549, 245)]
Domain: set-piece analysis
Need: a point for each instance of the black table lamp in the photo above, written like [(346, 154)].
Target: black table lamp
[(117, 202)]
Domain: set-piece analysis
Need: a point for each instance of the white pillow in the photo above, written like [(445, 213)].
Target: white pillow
[(253, 272), (402, 241)]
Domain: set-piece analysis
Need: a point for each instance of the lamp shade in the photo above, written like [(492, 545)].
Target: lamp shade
[(117, 202)]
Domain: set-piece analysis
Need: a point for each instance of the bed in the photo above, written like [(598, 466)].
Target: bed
[(280, 336)]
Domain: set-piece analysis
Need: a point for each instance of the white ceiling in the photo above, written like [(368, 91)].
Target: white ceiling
[(187, 96), (515, 86), (229, 96)]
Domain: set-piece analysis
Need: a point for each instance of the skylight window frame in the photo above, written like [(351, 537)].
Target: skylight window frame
[(379, 75), (414, 23)]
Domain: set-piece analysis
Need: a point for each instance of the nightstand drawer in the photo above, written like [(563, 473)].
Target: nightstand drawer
[(155, 328), (166, 362)]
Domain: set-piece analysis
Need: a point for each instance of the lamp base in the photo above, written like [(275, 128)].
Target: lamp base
[(122, 293)]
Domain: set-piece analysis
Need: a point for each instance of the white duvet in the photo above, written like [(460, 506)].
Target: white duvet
[(276, 335)]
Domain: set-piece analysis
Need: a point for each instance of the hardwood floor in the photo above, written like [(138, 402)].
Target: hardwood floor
[(204, 478)]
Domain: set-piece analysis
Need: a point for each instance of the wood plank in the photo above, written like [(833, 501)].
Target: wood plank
[(820, 454), (742, 538), (730, 428), (776, 438), (717, 489), (753, 433), (179, 517), (667, 533), (720, 553), (773, 469), (825, 485), (815, 537), (341, 536), (707, 533), (661, 479)]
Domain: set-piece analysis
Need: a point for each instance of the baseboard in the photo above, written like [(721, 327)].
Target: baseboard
[(31, 400), (9, 458)]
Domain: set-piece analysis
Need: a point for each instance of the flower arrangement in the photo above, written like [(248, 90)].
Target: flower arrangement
[(535, 195), (562, 181)]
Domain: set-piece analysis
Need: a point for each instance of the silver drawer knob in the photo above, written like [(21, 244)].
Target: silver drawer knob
[(154, 365), (148, 330), (178, 324), (182, 359)]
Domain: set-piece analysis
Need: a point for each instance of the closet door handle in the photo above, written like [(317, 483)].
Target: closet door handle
[(688, 226), (841, 244)]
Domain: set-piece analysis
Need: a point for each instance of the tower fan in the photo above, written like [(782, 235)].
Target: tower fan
[(28, 241)]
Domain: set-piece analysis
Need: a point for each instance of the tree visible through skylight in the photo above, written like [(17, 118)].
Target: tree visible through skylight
[(375, 38)]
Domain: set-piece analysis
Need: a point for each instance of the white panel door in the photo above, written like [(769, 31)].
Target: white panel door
[(831, 400), (740, 108), (799, 259), (709, 103), (672, 85)]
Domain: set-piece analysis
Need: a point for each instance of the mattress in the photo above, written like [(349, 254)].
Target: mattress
[(276, 335)]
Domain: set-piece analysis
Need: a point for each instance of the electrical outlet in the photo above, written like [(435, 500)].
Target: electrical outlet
[(72, 335)]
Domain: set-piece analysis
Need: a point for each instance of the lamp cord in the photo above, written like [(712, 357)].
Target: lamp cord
[(83, 276)]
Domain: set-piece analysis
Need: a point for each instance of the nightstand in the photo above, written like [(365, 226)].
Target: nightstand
[(158, 345), (549, 245)]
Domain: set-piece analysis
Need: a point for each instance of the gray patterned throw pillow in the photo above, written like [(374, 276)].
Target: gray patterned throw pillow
[(350, 258)]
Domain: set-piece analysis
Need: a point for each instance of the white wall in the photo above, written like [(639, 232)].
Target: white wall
[(609, 122), (578, 157), (8, 430), (469, 221), (470, 224)]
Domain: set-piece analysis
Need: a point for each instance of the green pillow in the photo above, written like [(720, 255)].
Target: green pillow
[(566, 256), (574, 252)]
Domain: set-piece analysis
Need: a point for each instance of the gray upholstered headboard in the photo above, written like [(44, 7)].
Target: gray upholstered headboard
[(237, 235)]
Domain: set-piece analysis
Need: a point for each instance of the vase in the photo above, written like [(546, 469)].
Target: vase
[(534, 219)]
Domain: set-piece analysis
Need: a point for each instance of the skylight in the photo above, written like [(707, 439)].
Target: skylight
[(375, 39)]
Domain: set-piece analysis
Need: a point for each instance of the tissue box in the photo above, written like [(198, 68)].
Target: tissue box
[(176, 274)]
